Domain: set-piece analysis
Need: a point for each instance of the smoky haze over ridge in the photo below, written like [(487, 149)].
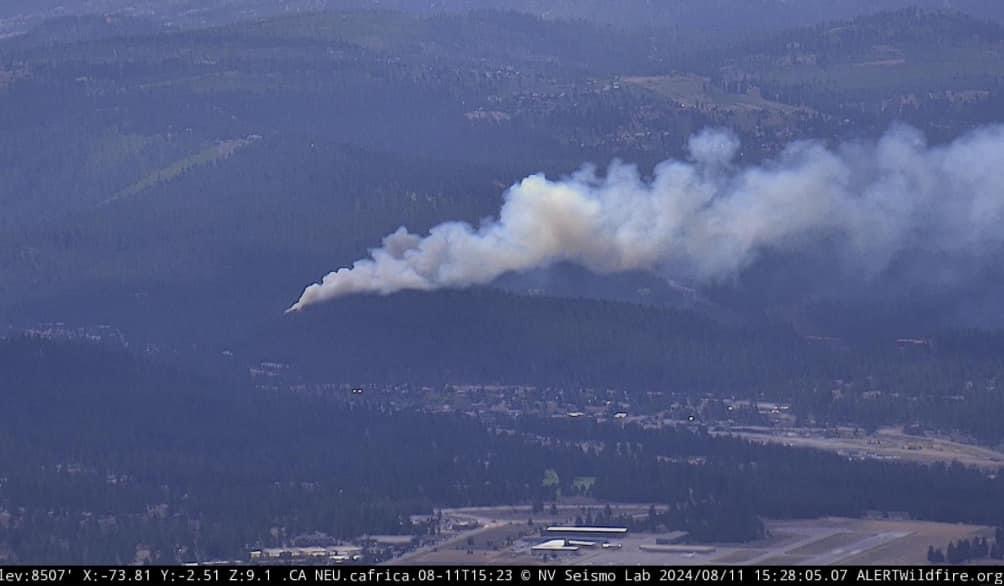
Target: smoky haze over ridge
[(708, 218)]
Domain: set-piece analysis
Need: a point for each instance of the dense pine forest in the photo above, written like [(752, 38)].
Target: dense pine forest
[(102, 451)]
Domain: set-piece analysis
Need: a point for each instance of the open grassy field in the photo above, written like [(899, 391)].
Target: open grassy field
[(912, 548), (693, 91), (219, 151), (887, 444)]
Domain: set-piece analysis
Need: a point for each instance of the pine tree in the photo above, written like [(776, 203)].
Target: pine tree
[(964, 550), (939, 556)]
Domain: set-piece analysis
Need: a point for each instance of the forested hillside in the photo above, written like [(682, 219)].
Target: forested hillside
[(102, 451), (711, 20), (925, 68), (106, 455), (190, 160), (211, 173)]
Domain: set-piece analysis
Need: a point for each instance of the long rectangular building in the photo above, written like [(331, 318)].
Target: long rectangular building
[(604, 531)]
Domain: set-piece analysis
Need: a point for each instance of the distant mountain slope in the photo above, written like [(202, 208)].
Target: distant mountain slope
[(501, 38), (75, 28), (716, 18), (371, 120), (722, 20), (912, 65), (882, 35)]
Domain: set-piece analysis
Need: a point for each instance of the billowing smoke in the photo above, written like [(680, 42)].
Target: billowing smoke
[(708, 218)]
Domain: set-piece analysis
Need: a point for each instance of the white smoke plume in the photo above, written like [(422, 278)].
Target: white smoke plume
[(708, 218)]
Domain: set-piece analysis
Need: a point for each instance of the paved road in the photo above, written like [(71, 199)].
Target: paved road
[(807, 536), (863, 545)]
